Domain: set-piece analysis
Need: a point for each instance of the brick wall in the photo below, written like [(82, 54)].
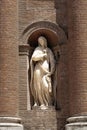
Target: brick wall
[(29, 12), (56, 12), (72, 65), (8, 58), (53, 11), (63, 84), (78, 56), (39, 119), (24, 95)]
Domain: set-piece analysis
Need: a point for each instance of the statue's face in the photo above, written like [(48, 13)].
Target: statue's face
[(42, 41)]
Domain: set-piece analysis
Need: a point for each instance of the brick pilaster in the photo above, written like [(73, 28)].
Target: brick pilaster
[(8, 58), (77, 56)]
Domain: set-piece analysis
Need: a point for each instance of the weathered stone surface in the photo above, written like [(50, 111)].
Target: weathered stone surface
[(77, 123), (10, 126), (38, 119), (10, 120)]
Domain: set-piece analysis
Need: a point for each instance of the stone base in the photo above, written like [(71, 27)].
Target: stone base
[(38, 119), (77, 123), (10, 126)]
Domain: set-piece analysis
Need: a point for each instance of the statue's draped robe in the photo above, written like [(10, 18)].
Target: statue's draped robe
[(41, 71)]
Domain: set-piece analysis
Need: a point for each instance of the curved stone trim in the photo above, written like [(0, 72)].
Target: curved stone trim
[(54, 28), (40, 24), (77, 123), (10, 125), (77, 119), (10, 120)]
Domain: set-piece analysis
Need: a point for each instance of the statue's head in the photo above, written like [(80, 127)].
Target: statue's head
[(42, 41)]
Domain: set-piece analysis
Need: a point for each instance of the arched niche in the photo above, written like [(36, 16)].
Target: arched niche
[(52, 32)]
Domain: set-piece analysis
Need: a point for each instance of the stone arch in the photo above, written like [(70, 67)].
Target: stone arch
[(54, 34)]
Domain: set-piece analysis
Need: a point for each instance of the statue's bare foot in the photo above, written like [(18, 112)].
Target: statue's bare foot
[(35, 105), (43, 107)]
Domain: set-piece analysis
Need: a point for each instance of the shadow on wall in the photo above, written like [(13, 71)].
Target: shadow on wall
[(61, 15)]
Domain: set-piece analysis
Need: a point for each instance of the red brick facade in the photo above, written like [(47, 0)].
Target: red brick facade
[(8, 58), (65, 25), (77, 57)]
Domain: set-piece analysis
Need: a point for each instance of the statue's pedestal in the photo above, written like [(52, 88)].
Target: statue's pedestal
[(77, 123), (38, 119), (10, 123)]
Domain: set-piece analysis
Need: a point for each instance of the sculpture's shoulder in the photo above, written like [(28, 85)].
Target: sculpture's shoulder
[(37, 49)]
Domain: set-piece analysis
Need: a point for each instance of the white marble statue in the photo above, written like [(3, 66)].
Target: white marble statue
[(42, 65)]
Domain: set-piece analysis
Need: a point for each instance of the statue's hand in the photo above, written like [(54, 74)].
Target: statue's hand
[(45, 56)]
